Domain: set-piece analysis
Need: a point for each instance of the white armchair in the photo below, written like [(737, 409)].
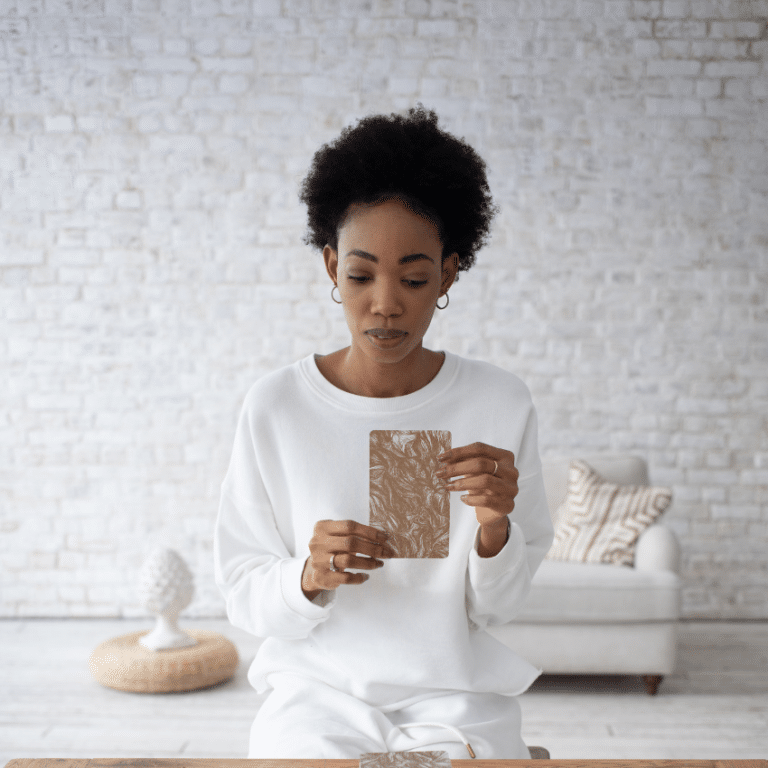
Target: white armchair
[(592, 618)]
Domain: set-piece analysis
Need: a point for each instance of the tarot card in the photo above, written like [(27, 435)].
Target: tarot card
[(406, 499)]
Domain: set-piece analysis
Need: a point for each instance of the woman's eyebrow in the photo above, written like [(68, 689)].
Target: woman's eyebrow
[(403, 260)]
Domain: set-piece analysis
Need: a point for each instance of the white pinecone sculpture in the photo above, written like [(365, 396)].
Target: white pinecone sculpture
[(165, 589)]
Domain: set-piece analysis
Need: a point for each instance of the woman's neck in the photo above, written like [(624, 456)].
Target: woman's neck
[(359, 377)]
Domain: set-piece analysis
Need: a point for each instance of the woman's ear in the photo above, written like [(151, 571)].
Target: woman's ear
[(450, 268), (331, 262)]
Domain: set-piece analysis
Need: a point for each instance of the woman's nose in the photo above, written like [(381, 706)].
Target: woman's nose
[(386, 298)]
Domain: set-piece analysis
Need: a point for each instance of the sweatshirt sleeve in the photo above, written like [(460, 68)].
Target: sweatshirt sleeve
[(257, 575), (497, 587)]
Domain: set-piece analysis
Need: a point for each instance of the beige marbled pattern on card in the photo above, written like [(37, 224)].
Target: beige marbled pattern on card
[(438, 759), (406, 498)]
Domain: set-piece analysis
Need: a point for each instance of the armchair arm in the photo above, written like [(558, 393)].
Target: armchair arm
[(657, 549)]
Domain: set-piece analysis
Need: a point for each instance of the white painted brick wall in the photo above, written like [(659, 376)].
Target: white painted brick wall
[(151, 264)]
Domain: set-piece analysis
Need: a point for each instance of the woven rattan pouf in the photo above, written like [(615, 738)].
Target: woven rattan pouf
[(123, 664)]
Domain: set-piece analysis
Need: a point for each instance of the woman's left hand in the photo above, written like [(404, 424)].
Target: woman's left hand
[(493, 497)]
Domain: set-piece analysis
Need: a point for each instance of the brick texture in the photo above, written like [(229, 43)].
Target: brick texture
[(151, 264)]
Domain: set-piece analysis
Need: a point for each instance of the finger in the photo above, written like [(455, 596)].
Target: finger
[(353, 545), (345, 561), (345, 577), (485, 501), (467, 452), (353, 528), (477, 483), (475, 500), (471, 467), (473, 451), (476, 491)]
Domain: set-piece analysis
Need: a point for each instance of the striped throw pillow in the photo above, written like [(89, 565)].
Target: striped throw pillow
[(600, 522)]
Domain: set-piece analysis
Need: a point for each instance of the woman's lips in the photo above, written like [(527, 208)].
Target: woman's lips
[(383, 342), (385, 333)]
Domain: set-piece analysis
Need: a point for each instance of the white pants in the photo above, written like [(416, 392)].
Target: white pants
[(306, 719)]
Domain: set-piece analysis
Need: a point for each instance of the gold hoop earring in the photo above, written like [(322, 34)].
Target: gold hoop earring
[(332, 290), (448, 301)]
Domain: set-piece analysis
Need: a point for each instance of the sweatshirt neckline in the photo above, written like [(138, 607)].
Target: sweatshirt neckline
[(349, 402)]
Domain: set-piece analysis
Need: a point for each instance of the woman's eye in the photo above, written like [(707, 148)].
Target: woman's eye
[(412, 283)]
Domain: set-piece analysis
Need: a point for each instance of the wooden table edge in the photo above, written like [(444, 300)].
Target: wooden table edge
[(180, 762)]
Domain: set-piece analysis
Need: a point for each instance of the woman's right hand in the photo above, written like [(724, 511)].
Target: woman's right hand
[(342, 538)]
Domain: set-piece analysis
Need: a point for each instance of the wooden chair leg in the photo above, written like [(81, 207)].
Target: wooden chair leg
[(652, 683)]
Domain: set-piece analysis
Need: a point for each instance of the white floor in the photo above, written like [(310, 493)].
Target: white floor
[(715, 706)]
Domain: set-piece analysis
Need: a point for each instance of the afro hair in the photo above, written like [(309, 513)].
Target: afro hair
[(406, 157)]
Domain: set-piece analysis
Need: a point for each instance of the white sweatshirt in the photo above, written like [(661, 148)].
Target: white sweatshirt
[(415, 628)]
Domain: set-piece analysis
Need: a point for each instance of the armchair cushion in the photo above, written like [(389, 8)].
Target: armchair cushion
[(600, 522), (597, 593)]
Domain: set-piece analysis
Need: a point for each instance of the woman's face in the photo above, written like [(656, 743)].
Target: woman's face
[(376, 288)]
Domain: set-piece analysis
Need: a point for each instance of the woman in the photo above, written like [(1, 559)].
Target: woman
[(364, 652)]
